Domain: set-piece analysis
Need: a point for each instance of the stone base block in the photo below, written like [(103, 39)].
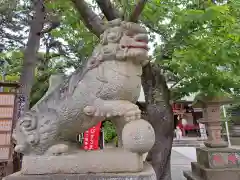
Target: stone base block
[(147, 174), (201, 173), (214, 144), (218, 158), (102, 161), (190, 176)]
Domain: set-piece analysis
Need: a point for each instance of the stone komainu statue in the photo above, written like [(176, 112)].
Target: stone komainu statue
[(108, 87)]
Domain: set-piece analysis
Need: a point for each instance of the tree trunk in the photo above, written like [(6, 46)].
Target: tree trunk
[(160, 115), (30, 54)]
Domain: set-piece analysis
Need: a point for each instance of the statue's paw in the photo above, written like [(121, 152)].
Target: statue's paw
[(57, 149), (133, 114)]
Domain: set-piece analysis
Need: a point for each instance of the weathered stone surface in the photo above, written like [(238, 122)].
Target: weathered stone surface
[(215, 164), (201, 173), (217, 158), (147, 174), (108, 87), (190, 176), (216, 144), (138, 136), (108, 160), (211, 118)]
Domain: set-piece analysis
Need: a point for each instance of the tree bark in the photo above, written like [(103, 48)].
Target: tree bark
[(108, 10), (30, 53), (137, 11), (160, 115), (91, 20)]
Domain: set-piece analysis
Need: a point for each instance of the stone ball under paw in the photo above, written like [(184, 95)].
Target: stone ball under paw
[(138, 136)]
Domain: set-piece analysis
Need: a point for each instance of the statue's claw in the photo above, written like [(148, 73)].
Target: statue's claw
[(113, 108)]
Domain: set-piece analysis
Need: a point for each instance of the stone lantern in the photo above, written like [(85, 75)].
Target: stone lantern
[(211, 118), (216, 161)]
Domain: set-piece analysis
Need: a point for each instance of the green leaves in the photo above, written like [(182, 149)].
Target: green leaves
[(199, 42), (109, 131), (202, 46)]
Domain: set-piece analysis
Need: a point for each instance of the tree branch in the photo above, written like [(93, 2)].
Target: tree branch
[(52, 25), (107, 9), (91, 20), (52, 21), (137, 11)]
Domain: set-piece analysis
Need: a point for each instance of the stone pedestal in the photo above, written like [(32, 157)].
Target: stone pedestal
[(215, 164), (112, 163), (147, 174), (107, 160)]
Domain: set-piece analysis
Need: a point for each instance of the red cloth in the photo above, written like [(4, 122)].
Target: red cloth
[(180, 126), (191, 127), (91, 138), (187, 127)]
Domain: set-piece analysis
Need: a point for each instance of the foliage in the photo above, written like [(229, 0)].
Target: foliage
[(199, 44), (13, 21), (209, 60), (72, 38), (109, 131), (53, 57), (14, 61), (234, 112)]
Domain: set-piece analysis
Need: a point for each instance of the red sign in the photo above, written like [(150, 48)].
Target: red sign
[(91, 138)]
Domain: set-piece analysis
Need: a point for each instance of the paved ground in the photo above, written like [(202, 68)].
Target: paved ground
[(179, 164), (189, 152), (181, 161)]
